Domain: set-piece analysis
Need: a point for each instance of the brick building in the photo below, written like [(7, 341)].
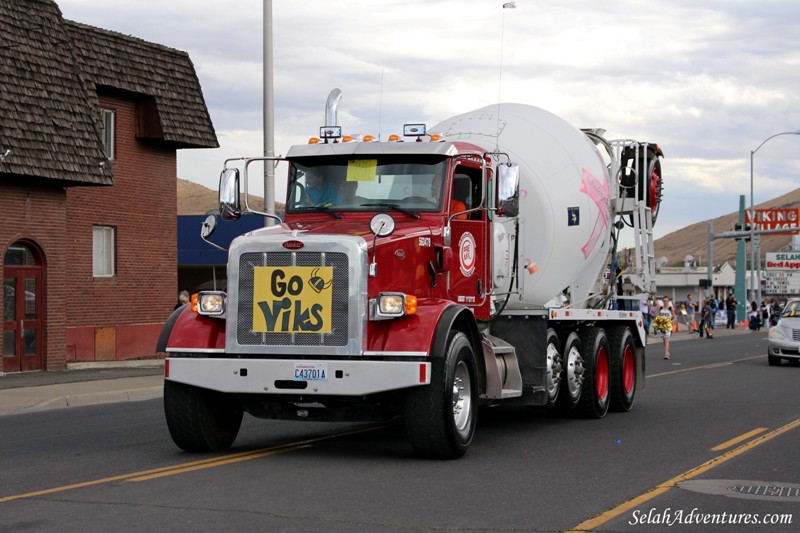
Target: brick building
[(90, 121)]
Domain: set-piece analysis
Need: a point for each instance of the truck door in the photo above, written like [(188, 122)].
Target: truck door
[(469, 279)]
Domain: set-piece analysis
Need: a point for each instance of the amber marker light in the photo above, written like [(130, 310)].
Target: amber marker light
[(369, 138), (393, 138), (411, 304), (313, 140)]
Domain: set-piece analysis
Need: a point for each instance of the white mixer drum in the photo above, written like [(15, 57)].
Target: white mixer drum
[(564, 196)]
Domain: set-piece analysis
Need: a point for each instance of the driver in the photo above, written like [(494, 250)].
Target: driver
[(318, 190), (456, 206)]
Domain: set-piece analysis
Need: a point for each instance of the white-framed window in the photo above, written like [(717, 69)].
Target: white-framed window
[(108, 120), (103, 244)]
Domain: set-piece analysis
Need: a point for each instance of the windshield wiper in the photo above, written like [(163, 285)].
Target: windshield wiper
[(396, 207), (323, 208)]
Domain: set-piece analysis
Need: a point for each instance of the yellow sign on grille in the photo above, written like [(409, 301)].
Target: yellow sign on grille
[(292, 299)]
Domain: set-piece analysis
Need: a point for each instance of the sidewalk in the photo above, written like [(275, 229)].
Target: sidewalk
[(81, 385)]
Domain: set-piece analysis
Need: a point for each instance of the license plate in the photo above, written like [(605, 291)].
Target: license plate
[(311, 371)]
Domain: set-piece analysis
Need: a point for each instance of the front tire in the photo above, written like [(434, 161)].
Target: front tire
[(773, 361), (441, 417), (595, 397), (200, 420)]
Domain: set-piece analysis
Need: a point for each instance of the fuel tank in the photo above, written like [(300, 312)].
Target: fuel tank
[(564, 207)]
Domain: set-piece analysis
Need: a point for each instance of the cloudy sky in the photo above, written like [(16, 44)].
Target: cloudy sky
[(707, 80)]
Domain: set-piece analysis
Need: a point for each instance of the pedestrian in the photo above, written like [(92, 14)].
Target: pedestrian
[(644, 306), (774, 312), (764, 311), (713, 304), (683, 317), (663, 323), (730, 306), (691, 312), (183, 299), (655, 309), (754, 320), (707, 320)]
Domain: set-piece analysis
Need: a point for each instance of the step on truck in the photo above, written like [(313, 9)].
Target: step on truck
[(422, 277)]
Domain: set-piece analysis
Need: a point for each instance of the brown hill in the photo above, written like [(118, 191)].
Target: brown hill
[(194, 199), (693, 239)]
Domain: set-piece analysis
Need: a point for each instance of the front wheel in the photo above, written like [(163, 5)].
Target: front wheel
[(441, 417), (200, 420), (773, 361)]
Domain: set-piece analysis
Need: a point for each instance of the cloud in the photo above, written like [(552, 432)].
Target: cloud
[(707, 80)]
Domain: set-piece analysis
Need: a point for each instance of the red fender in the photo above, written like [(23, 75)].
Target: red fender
[(195, 331)]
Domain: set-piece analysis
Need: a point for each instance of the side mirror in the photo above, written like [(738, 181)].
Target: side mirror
[(229, 204), (208, 227), (508, 190)]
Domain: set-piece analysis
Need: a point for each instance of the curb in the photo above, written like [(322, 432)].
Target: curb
[(94, 398)]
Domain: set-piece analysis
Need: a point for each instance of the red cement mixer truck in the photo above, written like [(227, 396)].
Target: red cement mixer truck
[(422, 277)]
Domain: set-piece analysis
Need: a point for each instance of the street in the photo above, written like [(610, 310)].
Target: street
[(713, 436)]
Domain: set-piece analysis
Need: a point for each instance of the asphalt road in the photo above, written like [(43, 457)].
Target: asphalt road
[(114, 467)]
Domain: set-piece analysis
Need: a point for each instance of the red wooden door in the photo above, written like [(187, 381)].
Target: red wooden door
[(22, 318)]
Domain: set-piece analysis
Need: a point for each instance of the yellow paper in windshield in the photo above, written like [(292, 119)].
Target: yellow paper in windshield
[(361, 169)]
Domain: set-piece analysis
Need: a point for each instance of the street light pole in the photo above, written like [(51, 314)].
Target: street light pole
[(269, 116), (755, 275)]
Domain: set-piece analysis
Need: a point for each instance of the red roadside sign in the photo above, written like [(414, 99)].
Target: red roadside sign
[(776, 218)]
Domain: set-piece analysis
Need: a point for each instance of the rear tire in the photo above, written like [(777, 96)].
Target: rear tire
[(595, 397), (573, 373), (623, 368), (200, 420), (441, 417)]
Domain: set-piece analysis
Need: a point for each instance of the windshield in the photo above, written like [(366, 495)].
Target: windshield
[(792, 309), (371, 183)]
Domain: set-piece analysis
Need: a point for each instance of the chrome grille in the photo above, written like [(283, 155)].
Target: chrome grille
[(796, 334), (339, 312)]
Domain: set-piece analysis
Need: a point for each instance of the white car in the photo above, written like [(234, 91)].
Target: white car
[(784, 338)]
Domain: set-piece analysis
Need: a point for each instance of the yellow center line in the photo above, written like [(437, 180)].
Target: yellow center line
[(193, 465), (737, 440), (601, 519)]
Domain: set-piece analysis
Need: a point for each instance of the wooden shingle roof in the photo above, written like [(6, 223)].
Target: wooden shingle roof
[(51, 70), (46, 120), (117, 61)]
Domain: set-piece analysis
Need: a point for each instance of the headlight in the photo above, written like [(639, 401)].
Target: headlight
[(211, 303), (776, 333), (392, 305)]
